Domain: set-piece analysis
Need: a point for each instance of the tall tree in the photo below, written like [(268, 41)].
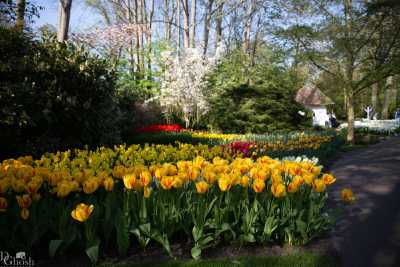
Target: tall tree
[(207, 22), (389, 97), (63, 20), (186, 22), (178, 24), (20, 14), (344, 32), (251, 4), (167, 21), (192, 32), (218, 22)]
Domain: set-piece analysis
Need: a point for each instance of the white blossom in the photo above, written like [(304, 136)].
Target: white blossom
[(183, 83)]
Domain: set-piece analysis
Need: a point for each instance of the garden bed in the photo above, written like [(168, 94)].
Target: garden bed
[(135, 197)]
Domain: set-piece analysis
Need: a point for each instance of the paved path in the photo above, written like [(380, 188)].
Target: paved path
[(368, 233)]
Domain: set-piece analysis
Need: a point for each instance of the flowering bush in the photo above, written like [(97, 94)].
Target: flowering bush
[(150, 194), (183, 83)]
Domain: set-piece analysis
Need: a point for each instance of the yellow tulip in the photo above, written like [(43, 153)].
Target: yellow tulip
[(297, 180), (159, 173), (328, 179), (316, 170), (119, 171), (209, 176), (18, 185), (63, 188), (53, 179), (183, 165), (129, 181), (258, 174), (24, 213), (167, 182), (90, 185), (245, 181), (193, 173), (146, 192), (145, 178), (178, 182), (170, 169), (224, 183), (308, 178), (25, 201), (296, 170), (3, 204), (4, 185), (258, 185), (347, 195), (153, 169), (278, 190), (319, 185), (108, 184), (276, 178), (82, 212), (201, 187), (32, 187), (292, 187)]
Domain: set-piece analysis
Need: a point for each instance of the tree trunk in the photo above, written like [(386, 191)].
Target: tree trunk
[(374, 96), (207, 20), (143, 21), (349, 73), (167, 25), (63, 22), (218, 23), (350, 119), (20, 20), (128, 16), (138, 39), (247, 27), (186, 18), (192, 32), (395, 90), (178, 16), (387, 98), (149, 38), (255, 43)]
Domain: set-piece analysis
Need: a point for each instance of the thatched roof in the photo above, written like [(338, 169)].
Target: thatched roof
[(311, 96)]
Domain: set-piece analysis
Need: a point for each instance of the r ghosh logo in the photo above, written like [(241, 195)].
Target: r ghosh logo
[(20, 259)]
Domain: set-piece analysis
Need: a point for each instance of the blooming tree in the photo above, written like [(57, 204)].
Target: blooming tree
[(111, 39), (183, 83)]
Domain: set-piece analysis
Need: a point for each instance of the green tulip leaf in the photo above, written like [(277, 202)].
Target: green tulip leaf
[(54, 246), (93, 252)]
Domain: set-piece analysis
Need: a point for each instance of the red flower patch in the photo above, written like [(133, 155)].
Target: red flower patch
[(155, 128)]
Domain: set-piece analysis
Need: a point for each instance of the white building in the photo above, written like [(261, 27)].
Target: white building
[(315, 100)]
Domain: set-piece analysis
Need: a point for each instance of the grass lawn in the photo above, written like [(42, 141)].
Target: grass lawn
[(299, 260)]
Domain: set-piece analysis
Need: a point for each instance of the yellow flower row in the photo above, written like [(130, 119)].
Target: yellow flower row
[(305, 142), (215, 135)]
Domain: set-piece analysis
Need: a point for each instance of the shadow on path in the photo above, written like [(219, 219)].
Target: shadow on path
[(368, 233)]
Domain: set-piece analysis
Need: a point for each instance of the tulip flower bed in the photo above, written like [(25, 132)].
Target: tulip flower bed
[(320, 146), (143, 196), (311, 144)]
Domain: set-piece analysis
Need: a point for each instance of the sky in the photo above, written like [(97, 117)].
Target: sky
[(82, 17)]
